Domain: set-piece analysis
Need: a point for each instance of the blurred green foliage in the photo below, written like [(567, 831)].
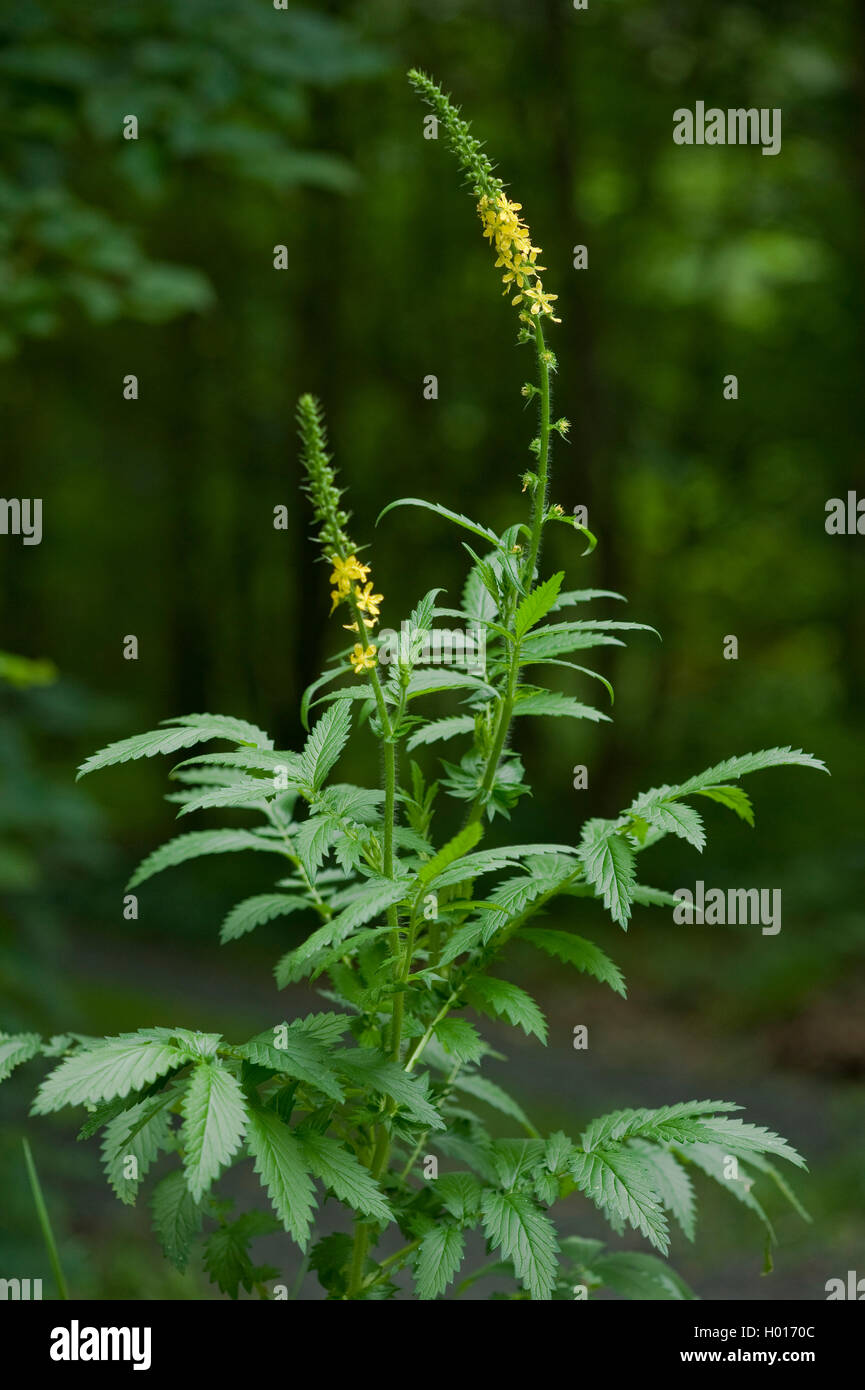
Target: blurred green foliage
[(213, 96), (260, 127)]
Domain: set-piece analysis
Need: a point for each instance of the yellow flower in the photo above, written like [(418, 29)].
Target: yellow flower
[(346, 571), (362, 660), (516, 256), (541, 303), (353, 627), (367, 601)]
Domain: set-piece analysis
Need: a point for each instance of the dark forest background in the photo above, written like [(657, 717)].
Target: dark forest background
[(261, 127)]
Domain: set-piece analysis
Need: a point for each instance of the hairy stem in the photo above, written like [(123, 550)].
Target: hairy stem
[(539, 500), (382, 1147), (539, 507)]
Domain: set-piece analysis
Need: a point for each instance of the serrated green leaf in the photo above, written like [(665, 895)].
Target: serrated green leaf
[(679, 1122), (734, 798), (16, 1048), (428, 680), (239, 730), (574, 596), (214, 1121), (253, 912), (242, 760), (330, 1257), (339, 1170), (525, 1236), (460, 1039), (557, 1152), (608, 863), (621, 1186), (177, 1218), (488, 861), (102, 1070), (509, 901), (133, 1140), (367, 1067), (324, 745), (226, 1253), (733, 768), (300, 1054), (537, 604), (282, 1168), (551, 702), (740, 1137), (314, 840), (763, 1165), (186, 731), (377, 898), (671, 1182), (674, 819), (576, 951), (501, 999), (653, 897), (251, 792), (713, 1159), (460, 1194), (438, 1259), (325, 1028), (197, 843), (636, 1275), (549, 642), (438, 729), (458, 520), (514, 1159)]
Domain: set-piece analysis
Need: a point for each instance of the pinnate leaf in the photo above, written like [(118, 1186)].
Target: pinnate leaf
[(183, 733), (253, 912), (197, 843)]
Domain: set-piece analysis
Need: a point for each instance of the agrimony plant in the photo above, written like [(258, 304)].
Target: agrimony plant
[(408, 934)]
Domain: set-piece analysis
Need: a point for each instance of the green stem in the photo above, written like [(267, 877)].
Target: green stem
[(320, 905), (358, 1256), (362, 1231), (506, 711), (499, 940), (442, 1013), (391, 1259), (452, 1075), (45, 1222), (539, 501), (382, 1148), (539, 508)]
